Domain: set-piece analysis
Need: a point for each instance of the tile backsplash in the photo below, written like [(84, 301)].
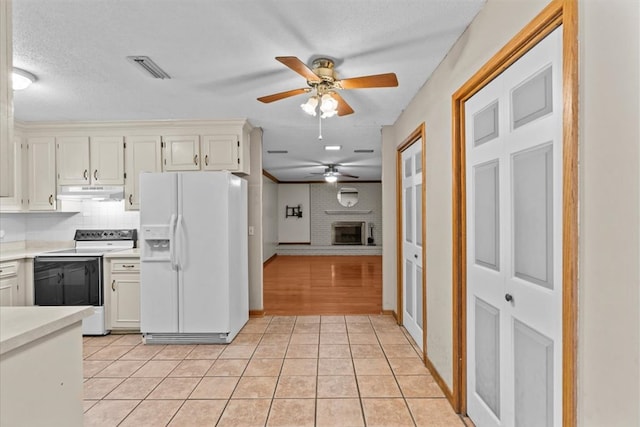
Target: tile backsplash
[(60, 226)]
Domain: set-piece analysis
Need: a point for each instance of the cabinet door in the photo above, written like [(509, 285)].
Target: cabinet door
[(181, 153), (220, 152), (8, 291), (11, 178), (142, 154), (72, 156), (41, 159), (125, 301), (107, 160)]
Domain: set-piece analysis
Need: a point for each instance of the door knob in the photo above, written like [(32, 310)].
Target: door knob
[(508, 297), (415, 256)]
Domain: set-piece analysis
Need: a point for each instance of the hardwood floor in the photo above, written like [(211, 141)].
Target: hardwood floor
[(301, 285)]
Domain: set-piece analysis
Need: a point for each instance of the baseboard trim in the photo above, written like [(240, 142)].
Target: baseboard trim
[(271, 258), (256, 313), (390, 313), (436, 376)]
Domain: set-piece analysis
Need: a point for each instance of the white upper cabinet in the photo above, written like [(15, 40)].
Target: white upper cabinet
[(181, 153), (96, 160), (41, 162), (107, 160), (220, 152), (142, 154), (72, 156), (13, 177)]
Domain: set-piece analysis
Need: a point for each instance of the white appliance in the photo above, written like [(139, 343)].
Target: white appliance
[(75, 277), (194, 274)]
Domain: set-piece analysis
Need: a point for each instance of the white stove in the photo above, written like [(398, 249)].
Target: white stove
[(75, 276)]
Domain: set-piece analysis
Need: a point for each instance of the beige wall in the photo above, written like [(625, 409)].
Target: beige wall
[(609, 316), (494, 26), (609, 297), (269, 218), (255, 220)]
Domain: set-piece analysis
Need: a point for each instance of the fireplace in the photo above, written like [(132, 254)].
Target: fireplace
[(348, 233)]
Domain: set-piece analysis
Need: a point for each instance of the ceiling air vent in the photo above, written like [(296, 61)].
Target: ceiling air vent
[(146, 64), (363, 151)]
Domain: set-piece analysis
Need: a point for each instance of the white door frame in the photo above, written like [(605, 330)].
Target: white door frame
[(558, 12), (418, 135)]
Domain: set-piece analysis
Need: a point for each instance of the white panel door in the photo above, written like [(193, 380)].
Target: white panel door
[(72, 156), (142, 154), (412, 271), (41, 163), (203, 251), (181, 153), (220, 152), (107, 160), (514, 228)]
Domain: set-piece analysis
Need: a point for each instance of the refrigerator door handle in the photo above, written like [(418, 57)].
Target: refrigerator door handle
[(178, 238), (172, 242)]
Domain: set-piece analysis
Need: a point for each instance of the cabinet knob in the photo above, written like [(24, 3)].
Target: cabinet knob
[(195, 160), (86, 174), (51, 199), (131, 199), (206, 160), (95, 174), (113, 285), (508, 297)]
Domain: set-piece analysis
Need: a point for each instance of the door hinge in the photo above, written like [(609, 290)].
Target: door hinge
[(125, 145), (162, 144), (238, 160), (165, 162), (125, 175), (238, 144)]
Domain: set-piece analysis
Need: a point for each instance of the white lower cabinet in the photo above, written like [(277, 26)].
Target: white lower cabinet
[(123, 287), (11, 284)]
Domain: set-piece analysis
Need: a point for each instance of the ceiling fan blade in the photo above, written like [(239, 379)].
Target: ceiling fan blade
[(378, 80), (343, 108), (299, 67), (278, 96), (346, 175)]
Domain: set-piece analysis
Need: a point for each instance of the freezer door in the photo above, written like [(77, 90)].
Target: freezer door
[(203, 252), (158, 276)]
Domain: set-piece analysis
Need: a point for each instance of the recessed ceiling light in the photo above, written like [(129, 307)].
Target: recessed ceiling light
[(277, 151), (332, 147), (363, 151)]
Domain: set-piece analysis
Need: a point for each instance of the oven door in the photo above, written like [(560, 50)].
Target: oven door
[(74, 280)]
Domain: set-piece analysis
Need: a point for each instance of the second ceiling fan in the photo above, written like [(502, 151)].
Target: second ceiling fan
[(322, 80)]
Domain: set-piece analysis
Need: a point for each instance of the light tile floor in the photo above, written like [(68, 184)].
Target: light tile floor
[(279, 371)]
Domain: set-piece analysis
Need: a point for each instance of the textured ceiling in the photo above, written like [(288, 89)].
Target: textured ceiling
[(220, 55)]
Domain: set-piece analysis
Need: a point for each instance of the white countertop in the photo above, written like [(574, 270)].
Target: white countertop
[(12, 251), (23, 325), (128, 253)]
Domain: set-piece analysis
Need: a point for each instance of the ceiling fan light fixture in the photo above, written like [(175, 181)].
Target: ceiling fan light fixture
[(332, 147), (330, 178), (328, 106), (309, 107)]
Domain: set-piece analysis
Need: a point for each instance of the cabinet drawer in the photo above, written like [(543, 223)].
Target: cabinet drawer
[(8, 269), (120, 266)]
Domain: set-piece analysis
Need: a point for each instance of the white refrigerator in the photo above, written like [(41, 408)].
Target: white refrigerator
[(193, 257)]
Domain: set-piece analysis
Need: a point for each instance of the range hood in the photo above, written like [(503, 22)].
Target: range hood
[(90, 192)]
